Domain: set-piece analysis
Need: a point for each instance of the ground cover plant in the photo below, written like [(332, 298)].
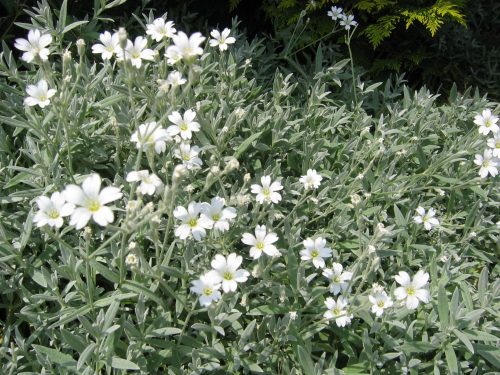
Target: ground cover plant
[(165, 208)]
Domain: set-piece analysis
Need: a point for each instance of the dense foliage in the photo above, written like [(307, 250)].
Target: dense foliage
[(367, 191)]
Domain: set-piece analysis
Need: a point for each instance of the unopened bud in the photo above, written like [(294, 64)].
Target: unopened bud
[(355, 199), (122, 37), (179, 172), (80, 45), (232, 165)]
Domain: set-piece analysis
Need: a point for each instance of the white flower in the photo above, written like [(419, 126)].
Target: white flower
[(207, 287), (52, 210), (315, 251), (335, 13), (227, 271), (131, 260), (137, 51), (39, 94), (110, 45), (488, 164), (427, 219), (150, 183), (188, 155), (184, 48), (218, 216), (151, 135), (487, 122), (262, 242), (267, 192), (338, 310), (494, 144), (380, 301), (34, 46), (239, 112), (91, 202), (311, 180), (160, 29), (221, 40), (338, 278), (348, 21), (192, 223), (175, 79), (412, 291), (183, 125)]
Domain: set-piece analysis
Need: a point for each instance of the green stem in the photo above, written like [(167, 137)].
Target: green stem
[(348, 41)]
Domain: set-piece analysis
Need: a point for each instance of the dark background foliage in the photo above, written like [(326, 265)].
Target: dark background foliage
[(468, 56)]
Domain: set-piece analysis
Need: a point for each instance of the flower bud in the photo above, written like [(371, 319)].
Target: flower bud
[(355, 199), (231, 165), (80, 45), (122, 37), (179, 172)]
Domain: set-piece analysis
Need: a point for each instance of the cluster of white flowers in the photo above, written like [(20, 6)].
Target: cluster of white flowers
[(151, 136), (184, 48), (88, 201), (198, 217), (225, 273), (81, 203), (490, 160), (410, 294), (347, 21), (267, 191)]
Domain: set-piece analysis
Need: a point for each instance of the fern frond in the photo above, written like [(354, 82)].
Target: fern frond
[(370, 5), (432, 18), (381, 30), (233, 4)]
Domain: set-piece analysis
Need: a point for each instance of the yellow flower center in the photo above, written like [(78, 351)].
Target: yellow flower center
[(183, 127), (336, 311), (486, 163), (410, 291), (314, 253), (216, 217), (380, 304), (136, 55), (497, 145), (207, 291), (259, 245), (186, 157), (488, 123), (43, 97), (336, 279), (192, 223), (53, 214), (266, 191), (94, 206), (227, 275)]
